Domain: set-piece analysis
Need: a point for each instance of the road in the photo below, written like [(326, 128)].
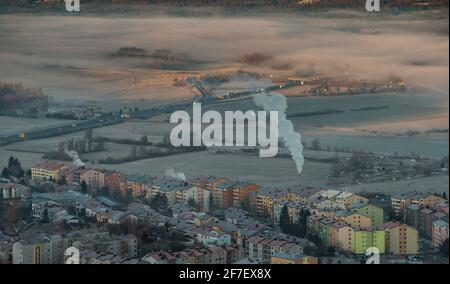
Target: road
[(110, 119)]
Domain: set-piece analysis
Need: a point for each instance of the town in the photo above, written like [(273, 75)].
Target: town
[(111, 217)]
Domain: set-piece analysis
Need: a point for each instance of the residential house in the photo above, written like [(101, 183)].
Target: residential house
[(32, 251), (372, 211), (135, 185), (356, 220), (401, 200), (348, 198), (341, 236), (400, 238), (289, 258), (362, 240), (14, 191), (439, 232), (47, 170)]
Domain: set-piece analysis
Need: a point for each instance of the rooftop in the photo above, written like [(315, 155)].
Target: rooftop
[(50, 166)]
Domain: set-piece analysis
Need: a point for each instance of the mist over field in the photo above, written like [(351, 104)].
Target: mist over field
[(34, 47), (70, 58)]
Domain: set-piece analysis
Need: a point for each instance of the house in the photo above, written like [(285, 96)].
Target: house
[(211, 255), (400, 238), (242, 191), (200, 196), (348, 198), (208, 182), (290, 258), (262, 200), (47, 171), (412, 215), (439, 232), (135, 185), (375, 213), (293, 210), (32, 251), (401, 200), (99, 178), (57, 214), (364, 239), (13, 191), (73, 175), (341, 236), (356, 220), (110, 216), (167, 187), (327, 204), (324, 230), (426, 199), (300, 194), (262, 249), (211, 237), (222, 194)]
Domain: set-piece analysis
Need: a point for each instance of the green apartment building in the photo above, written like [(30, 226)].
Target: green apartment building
[(362, 240), (374, 212)]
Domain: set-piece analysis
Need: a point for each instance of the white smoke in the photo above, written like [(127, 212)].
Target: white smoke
[(76, 159), (292, 139), (172, 173)]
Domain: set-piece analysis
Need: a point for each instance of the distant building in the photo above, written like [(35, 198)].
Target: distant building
[(400, 201), (372, 211), (262, 249), (341, 236), (365, 239), (293, 210), (400, 238), (212, 255), (135, 184), (288, 258), (426, 199), (13, 191), (98, 178), (47, 170), (33, 251), (440, 232), (356, 220), (348, 198)]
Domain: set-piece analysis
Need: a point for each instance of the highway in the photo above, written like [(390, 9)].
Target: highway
[(110, 119)]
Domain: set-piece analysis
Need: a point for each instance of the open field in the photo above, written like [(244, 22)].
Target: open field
[(252, 168), (13, 124), (81, 70), (437, 184)]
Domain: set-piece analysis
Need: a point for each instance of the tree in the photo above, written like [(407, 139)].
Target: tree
[(444, 248), (83, 186), (191, 202), (82, 212), (14, 169), (315, 144), (104, 191), (159, 202), (6, 173), (45, 218), (89, 134), (247, 205), (129, 194), (144, 139), (444, 195), (285, 221), (303, 223), (72, 210), (211, 202)]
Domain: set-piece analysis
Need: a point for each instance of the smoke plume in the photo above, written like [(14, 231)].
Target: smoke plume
[(76, 159), (292, 139), (172, 173)]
